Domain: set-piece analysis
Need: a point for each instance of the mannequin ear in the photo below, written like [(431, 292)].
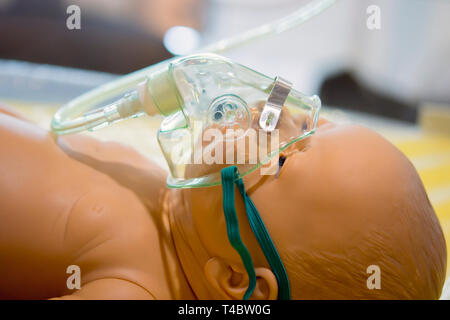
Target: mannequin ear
[(231, 281)]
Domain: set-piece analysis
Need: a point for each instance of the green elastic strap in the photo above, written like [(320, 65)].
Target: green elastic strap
[(234, 236), (262, 235)]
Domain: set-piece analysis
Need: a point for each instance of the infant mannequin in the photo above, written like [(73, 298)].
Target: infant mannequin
[(344, 199)]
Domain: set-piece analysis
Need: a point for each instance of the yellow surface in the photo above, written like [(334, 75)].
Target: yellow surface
[(431, 156), (430, 153)]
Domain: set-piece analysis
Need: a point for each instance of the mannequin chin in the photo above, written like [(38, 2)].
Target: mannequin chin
[(345, 199)]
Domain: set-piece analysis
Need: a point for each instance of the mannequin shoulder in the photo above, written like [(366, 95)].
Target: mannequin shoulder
[(111, 235)]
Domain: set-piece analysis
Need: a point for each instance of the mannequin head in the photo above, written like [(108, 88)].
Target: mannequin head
[(344, 199)]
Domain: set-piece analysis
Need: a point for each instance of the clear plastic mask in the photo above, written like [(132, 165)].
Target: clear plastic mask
[(217, 113), (213, 119)]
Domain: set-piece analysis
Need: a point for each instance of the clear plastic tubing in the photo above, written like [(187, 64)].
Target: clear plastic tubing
[(78, 115)]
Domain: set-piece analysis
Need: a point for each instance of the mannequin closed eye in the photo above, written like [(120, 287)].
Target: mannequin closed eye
[(281, 161)]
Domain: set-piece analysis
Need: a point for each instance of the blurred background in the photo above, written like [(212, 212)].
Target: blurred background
[(394, 79), (389, 71)]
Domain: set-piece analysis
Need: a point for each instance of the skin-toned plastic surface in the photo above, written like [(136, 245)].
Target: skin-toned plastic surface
[(344, 199)]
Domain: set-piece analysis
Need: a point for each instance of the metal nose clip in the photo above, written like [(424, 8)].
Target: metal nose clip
[(271, 112)]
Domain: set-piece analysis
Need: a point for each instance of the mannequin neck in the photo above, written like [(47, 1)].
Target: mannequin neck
[(189, 249)]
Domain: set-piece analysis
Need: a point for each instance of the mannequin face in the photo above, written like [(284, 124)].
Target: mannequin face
[(345, 199)]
